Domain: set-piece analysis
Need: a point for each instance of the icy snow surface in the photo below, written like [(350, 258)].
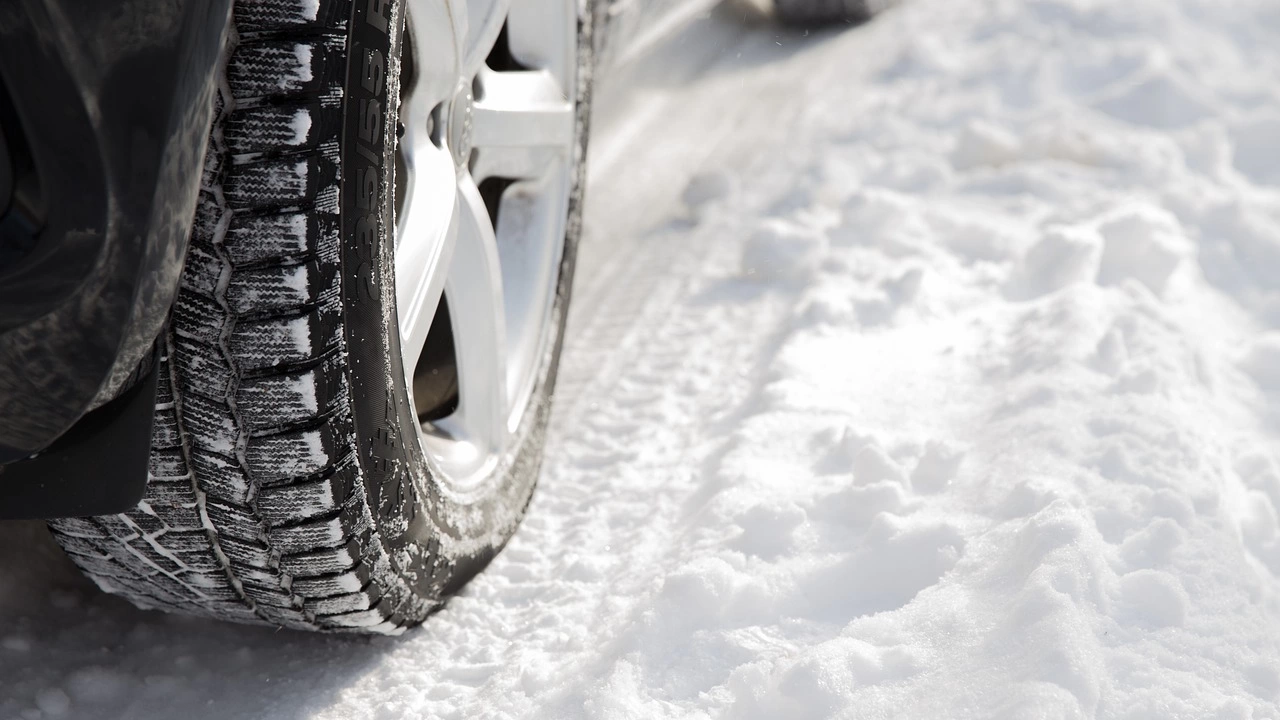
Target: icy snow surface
[(927, 369)]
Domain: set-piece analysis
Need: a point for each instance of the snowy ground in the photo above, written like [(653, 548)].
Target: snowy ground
[(926, 369)]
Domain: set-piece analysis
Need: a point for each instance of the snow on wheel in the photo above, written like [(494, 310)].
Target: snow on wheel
[(357, 375)]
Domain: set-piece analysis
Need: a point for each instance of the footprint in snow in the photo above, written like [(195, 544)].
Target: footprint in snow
[(885, 555), (895, 560)]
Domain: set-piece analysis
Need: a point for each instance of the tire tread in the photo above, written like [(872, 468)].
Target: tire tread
[(255, 508)]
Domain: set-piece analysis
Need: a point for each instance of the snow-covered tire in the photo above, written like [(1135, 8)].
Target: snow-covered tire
[(820, 12), (288, 485)]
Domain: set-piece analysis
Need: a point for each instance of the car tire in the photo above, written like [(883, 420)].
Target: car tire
[(290, 483)]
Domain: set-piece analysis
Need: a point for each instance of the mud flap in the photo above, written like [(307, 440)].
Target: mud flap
[(99, 467)]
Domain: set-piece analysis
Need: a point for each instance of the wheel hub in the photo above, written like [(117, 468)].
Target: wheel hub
[(459, 131)]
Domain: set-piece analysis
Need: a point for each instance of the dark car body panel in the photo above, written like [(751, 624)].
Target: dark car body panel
[(112, 100), (98, 467)]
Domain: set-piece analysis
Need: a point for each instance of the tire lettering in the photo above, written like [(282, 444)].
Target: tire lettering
[(372, 71), (364, 283), (371, 121), (366, 236), (376, 15), (366, 190), (366, 248)]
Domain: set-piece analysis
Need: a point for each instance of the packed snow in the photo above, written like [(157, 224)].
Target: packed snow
[(924, 369)]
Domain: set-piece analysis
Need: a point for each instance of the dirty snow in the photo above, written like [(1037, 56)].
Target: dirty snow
[(925, 369)]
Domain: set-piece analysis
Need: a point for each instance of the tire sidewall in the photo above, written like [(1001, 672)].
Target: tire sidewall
[(435, 538)]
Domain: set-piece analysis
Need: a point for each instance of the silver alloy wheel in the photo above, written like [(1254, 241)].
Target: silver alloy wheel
[(465, 123)]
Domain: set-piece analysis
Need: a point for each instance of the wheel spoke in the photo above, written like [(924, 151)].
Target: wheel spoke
[(432, 28), (542, 37), (521, 109), (485, 21), (474, 289), (520, 122), (426, 234)]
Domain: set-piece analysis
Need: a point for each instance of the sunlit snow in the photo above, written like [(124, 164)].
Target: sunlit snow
[(926, 369)]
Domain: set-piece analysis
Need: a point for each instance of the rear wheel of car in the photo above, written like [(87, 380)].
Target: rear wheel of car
[(356, 380)]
